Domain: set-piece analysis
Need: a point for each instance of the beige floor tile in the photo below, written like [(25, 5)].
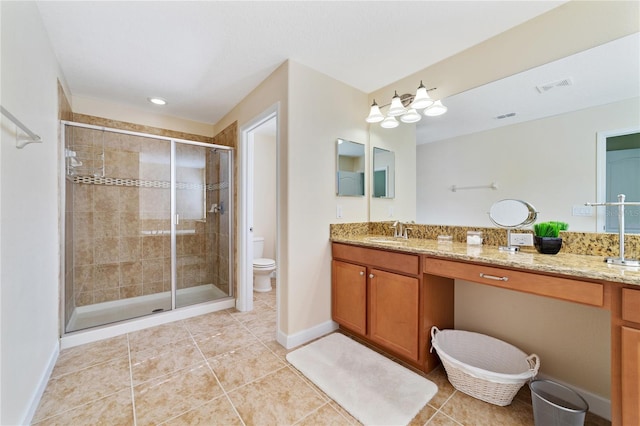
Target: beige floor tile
[(216, 412), (281, 398), (445, 389), (344, 413), (326, 415), (158, 336), (156, 362), (423, 416), (209, 322), (236, 368), (468, 410), (115, 409), (80, 357), (441, 419), (81, 387), (225, 339), (263, 328), (277, 348), (260, 310), (161, 399)]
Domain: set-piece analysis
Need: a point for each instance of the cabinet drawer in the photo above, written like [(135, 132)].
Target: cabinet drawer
[(631, 305), (387, 260), (543, 285)]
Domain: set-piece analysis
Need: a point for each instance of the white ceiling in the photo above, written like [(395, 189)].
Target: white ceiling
[(598, 76), (206, 56)]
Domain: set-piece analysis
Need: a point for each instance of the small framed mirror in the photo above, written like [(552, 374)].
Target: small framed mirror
[(384, 167), (349, 168)]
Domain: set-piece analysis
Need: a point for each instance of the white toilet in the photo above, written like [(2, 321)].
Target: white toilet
[(262, 268)]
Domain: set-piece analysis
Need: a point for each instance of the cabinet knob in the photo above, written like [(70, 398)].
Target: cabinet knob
[(371, 275), (361, 273)]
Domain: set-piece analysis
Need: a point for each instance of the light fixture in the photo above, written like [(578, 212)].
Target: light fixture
[(157, 101), (436, 109), (396, 107), (406, 108), (390, 122), (422, 99), (411, 116), (375, 116)]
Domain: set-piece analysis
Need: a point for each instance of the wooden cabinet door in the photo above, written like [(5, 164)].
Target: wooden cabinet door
[(393, 316), (630, 376), (349, 296)]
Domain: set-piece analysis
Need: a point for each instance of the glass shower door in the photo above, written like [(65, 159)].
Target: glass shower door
[(202, 224)]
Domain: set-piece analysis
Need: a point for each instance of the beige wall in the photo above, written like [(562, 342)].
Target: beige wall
[(572, 340), (29, 212), (264, 192), (321, 110), (272, 91), (402, 141), (113, 111)]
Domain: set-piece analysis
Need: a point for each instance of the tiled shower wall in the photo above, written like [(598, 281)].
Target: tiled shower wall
[(120, 234)]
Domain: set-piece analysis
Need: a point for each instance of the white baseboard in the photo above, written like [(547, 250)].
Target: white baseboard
[(304, 336), (597, 404), (39, 391)]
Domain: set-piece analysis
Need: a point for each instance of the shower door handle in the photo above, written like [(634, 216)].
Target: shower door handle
[(177, 219)]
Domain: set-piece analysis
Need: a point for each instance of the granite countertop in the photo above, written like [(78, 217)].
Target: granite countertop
[(572, 265)]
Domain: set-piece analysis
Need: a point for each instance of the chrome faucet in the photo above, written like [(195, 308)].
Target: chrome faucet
[(400, 230), (397, 229), (621, 203)]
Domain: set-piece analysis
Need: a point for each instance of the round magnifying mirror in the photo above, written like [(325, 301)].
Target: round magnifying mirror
[(512, 213)]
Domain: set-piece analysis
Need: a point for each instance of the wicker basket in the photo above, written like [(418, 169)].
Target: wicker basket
[(482, 366)]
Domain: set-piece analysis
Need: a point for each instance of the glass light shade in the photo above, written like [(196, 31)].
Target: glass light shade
[(422, 99), (411, 116), (375, 116), (396, 107), (436, 109), (389, 123)]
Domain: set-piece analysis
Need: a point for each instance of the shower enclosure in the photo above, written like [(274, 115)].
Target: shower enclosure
[(147, 224)]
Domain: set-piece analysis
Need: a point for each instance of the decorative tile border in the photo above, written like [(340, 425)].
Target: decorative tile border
[(97, 180)]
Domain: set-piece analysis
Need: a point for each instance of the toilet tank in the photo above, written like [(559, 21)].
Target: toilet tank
[(258, 247)]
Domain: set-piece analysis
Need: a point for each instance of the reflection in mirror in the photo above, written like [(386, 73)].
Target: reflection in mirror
[(560, 107), (383, 173), (618, 173), (349, 168)]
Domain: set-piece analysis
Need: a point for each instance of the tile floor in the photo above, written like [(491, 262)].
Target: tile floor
[(223, 368)]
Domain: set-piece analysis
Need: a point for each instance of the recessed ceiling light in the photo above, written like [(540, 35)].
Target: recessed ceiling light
[(157, 101)]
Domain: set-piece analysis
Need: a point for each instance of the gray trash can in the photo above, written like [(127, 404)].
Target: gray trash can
[(556, 405)]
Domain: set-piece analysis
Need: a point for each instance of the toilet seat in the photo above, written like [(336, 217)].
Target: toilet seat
[(263, 263)]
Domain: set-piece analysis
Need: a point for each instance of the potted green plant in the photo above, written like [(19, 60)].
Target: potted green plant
[(547, 236)]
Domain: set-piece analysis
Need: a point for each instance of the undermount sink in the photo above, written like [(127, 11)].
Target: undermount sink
[(385, 240)]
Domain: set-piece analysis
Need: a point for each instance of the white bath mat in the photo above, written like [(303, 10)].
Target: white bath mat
[(372, 388)]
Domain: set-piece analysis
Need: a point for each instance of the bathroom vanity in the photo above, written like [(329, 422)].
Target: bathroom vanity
[(390, 293)]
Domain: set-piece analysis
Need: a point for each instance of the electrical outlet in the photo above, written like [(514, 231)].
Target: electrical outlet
[(521, 239)]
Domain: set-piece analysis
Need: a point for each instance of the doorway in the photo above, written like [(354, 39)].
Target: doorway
[(619, 173), (259, 212)]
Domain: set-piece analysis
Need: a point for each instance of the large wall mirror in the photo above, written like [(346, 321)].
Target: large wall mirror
[(549, 118), (384, 173), (350, 166)]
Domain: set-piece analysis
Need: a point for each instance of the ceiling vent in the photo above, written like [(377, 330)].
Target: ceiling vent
[(503, 116), (565, 82)]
